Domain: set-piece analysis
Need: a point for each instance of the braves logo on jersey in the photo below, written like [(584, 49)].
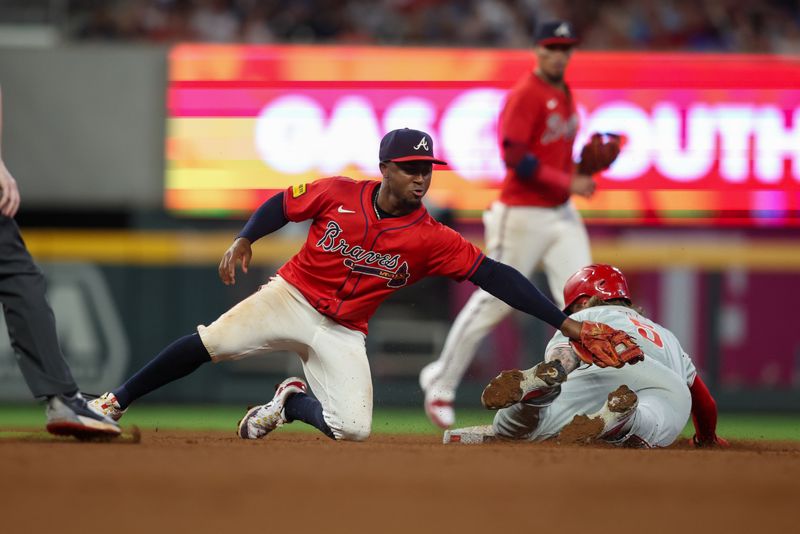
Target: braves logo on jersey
[(363, 261), (397, 278), (558, 128)]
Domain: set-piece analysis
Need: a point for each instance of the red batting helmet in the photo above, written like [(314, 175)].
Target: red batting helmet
[(599, 280)]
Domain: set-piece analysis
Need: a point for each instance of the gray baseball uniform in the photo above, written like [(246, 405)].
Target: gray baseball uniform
[(661, 381)]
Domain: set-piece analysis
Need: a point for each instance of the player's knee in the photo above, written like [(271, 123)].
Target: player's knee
[(352, 431), (352, 427), (510, 432)]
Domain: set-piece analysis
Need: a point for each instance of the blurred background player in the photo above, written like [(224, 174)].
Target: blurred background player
[(32, 327), (367, 239), (533, 223), (645, 405)]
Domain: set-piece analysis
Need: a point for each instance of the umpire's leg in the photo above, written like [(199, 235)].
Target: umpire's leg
[(30, 320)]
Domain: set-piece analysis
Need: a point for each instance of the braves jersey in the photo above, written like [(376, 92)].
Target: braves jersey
[(352, 260), (656, 342), (543, 118)]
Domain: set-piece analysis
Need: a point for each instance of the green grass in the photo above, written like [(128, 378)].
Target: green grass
[(385, 421)]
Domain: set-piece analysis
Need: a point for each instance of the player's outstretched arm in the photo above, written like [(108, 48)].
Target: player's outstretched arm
[(704, 417), (566, 355), (510, 286), (594, 342), (268, 218)]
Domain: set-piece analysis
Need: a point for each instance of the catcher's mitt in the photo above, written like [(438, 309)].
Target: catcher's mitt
[(604, 346), (599, 153)]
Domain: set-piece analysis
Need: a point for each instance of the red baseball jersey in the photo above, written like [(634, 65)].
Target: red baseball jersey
[(352, 261), (544, 119)]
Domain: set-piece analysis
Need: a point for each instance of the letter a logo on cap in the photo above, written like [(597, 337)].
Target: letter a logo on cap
[(422, 143), (562, 31)]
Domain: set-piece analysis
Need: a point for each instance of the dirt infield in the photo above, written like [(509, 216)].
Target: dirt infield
[(293, 482)]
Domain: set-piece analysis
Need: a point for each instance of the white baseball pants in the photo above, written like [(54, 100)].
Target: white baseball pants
[(664, 403), (277, 317), (522, 237)]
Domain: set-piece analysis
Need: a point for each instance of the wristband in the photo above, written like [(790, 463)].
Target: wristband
[(526, 167)]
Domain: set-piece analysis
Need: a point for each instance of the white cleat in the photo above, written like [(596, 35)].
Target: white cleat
[(438, 401), (439, 409), (539, 386), (261, 420), (611, 423), (107, 405)]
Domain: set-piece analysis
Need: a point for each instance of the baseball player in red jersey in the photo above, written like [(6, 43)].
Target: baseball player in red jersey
[(533, 222), (366, 240)]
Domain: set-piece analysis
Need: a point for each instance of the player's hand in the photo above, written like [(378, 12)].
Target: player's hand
[(9, 192), (715, 443), (239, 251), (583, 185)]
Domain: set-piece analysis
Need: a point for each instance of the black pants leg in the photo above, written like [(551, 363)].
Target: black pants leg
[(30, 320)]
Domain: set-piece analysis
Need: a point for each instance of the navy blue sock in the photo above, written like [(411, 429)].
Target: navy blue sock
[(179, 359), (302, 407)]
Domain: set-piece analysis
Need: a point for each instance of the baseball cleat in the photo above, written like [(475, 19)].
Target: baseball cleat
[(71, 416), (611, 423), (259, 421), (440, 411), (107, 405), (438, 401), (538, 385), (470, 435)]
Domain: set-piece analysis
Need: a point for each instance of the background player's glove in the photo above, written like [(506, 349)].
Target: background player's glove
[(717, 442), (599, 153), (604, 346)]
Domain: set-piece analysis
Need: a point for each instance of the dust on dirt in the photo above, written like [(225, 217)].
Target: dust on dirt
[(298, 482)]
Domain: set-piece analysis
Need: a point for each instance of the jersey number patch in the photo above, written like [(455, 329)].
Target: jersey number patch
[(648, 332)]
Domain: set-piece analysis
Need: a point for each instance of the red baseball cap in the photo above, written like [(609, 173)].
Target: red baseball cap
[(407, 145)]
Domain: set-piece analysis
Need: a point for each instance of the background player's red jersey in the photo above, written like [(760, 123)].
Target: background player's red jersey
[(352, 261), (544, 119)]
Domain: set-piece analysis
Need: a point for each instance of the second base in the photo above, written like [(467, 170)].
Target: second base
[(470, 435)]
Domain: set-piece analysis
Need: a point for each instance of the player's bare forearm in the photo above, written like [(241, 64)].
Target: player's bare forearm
[(564, 354), (583, 185), (571, 328)]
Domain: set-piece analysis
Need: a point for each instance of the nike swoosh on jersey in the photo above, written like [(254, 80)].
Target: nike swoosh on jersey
[(342, 210)]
